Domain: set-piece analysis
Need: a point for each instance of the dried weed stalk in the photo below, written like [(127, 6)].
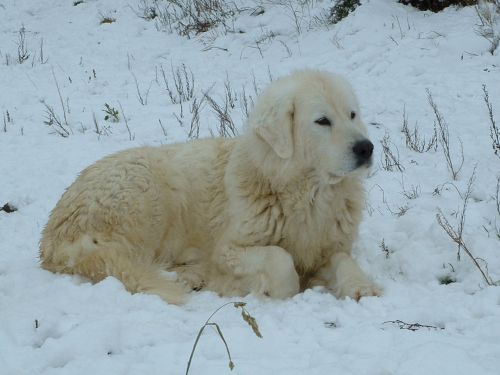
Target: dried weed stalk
[(411, 326), (22, 46), (390, 159), (53, 121), (183, 83), (226, 127), (494, 132), (456, 234), (414, 140), (250, 320), (488, 12), (444, 140)]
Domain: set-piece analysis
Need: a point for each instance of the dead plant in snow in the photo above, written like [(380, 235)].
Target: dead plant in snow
[(494, 132), (142, 96), (250, 320), (414, 140), (390, 158), (53, 121), (189, 17), (180, 87), (411, 326), (227, 127), (7, 119), (444, 140), (488, 12), (22, 46), (456, 234), (194, 125), (497, 195)]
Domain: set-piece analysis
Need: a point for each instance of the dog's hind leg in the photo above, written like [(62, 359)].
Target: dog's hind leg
[(136, 269)]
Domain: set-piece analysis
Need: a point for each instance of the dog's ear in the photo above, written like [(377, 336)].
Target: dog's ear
[(273, 122)]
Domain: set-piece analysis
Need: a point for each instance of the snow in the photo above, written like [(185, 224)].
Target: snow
[(393, 54)]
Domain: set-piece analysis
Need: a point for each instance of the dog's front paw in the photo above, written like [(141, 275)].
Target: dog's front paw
[(356, 289), (279, 278), (279, 286), (262, 270), (366, 291), (193, 277)]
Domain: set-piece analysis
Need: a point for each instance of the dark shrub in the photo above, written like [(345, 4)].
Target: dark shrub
[(436, 5), (341, 10)]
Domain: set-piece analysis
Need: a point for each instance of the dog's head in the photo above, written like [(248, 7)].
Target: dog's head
[(312, 119)]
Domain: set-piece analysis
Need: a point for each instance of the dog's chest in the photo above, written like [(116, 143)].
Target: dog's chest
[(318, 222)]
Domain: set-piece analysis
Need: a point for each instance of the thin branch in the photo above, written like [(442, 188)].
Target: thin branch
[(131, 136), (60, 98), (494, 132), (444, 139), (143, 99), (411, 326)]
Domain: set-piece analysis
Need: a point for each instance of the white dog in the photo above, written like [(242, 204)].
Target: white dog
[(271, 212)]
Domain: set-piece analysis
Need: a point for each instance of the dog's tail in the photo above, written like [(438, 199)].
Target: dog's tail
[(136, 270)]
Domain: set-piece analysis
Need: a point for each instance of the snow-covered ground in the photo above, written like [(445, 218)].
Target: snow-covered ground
[(393, 54)]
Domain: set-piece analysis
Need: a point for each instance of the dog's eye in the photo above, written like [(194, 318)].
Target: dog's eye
[(323, 121), (353, 115)]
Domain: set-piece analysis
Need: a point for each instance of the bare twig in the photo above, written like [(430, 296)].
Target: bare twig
[(297, 11), (60, 98), (246, 103), (494, 131), (183, 83), (456, 234), (385, 249), (41, 58), (22, 46), (488, 12), (194, 126), (444, 140), (131, 136), (100, 130), (53, 121), (411, 326), (287, 49), (163, 128), (226, 128), (7, 119), (497, 195), (256, 88), (229, 93), (444, 223), (414, 140), (401, 210), (413, 193), (390, 160), (143, 98)]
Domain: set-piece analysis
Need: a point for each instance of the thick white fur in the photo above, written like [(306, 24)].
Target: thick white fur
[(271, 212)]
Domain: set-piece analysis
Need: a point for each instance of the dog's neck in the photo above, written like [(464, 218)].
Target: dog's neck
[(255, 155), (280, 175)]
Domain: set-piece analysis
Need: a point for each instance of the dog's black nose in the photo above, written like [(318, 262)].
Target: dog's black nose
[(363, 151)]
